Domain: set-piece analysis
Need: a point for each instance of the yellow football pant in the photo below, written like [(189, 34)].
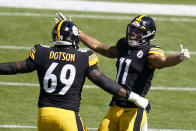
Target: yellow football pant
[(123, 119), (57, 119)]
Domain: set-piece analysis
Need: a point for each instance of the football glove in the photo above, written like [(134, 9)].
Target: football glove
[(138, 100), (60, 17), (184, 53)]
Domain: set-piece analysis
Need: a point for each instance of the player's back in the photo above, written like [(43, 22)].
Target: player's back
[(61, 74)]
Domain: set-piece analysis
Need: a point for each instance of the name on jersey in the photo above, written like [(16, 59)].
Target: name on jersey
[(61, 56)]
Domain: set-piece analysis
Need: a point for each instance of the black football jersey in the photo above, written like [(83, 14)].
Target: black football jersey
[(132, 69), (61, 73)]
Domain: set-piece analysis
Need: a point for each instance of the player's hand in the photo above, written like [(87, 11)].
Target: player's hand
[(59, 17), (184, 53), (138, 100)]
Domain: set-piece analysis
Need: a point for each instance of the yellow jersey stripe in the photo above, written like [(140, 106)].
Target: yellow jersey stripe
[(91, 56), (34, 48), (138, 19), (92, 60), (58, 29), (157, 49), (156, 52), (32, 55)]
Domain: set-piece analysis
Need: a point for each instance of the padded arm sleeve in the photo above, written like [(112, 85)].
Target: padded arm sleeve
[(30, 64), (107, 84), (8, 68)]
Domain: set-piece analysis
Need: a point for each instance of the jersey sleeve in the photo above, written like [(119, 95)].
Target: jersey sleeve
[(92, 61), (32, 52), (31, 64), (121, 46), (156, 50)]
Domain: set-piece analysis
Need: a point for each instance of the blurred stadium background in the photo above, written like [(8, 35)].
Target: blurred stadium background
[(173, 91)]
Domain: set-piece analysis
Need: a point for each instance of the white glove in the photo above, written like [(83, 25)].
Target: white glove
[(138, 100), (60, 17), (184, 53)]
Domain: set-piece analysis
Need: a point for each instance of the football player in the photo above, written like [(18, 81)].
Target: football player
[(61, 71), (136, 62)]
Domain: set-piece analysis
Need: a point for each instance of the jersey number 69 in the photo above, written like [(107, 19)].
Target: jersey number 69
[(67, 81)]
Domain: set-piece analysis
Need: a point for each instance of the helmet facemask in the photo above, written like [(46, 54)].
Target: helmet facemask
[(135, 35)]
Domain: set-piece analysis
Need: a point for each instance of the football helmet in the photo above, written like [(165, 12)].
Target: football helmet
[(66, 33), (140, 31)]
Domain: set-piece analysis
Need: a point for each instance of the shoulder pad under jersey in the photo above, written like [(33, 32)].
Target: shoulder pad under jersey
[(92, 58), (155, 49)]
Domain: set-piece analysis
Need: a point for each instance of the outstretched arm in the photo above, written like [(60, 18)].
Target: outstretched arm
[(113, 88), (159, 62), (11, 68)]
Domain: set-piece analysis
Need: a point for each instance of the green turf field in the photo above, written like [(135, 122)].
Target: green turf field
[(155, 1), (171, 109)]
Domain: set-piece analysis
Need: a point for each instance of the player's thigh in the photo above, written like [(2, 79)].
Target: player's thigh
[(108, 125), (72, 124), (111, 121), (54, 119), (133, 119)]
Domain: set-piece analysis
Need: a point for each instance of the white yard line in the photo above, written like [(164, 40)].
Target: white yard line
[(7, 46), (102, 6), (16, 126), (116, 17), (89, 128), (93, 86)]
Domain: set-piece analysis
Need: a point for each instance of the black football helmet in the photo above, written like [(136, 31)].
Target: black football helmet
[(140, 31), (66, 33)]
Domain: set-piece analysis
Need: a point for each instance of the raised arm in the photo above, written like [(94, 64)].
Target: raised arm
[(92, 43), (159, 62), (97, 46), (113, 88)]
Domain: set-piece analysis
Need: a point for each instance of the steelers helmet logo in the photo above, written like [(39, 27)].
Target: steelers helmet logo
[(75, 30), (140, 54)]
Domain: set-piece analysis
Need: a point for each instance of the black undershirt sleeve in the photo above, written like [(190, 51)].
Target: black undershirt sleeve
[(30, 64), (8, 68), (107, 84)]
